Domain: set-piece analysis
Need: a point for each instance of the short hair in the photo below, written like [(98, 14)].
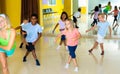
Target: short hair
[(79, 9), (102, 15), (35, 15)]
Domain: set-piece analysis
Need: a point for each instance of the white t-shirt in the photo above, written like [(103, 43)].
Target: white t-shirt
[(77, 14), (61, 24), (32, 32)]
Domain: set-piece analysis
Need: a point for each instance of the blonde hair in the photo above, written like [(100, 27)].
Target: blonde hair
[(102, 15), (6, 19), (71, 21)]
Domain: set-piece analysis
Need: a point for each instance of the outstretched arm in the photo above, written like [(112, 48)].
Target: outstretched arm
[(92, 28), (55, 27)]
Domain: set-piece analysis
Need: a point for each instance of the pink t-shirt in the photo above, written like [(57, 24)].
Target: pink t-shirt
[(71, 37)]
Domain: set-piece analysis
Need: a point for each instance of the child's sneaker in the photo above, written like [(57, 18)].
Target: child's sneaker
[(66, 66), (66, 48), (24, 59), (76, 69), (58, 47), (21, 45), (37, 62)]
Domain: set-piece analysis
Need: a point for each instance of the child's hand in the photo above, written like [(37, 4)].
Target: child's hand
[(53, 32), (86, 31)]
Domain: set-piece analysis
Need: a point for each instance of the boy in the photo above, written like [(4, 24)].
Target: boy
[(75, 16), (34, 32), (102, 29)]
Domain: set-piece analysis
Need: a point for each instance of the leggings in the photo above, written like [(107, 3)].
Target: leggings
[(72, 51)]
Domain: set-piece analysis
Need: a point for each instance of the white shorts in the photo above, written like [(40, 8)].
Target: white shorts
[(100, 39)]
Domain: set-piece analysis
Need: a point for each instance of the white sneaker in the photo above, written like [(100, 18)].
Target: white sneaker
[(76, 69), (66, 48), (58, 47), (66, 66)]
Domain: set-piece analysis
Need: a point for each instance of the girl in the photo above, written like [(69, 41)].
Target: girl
[(7, 45), (107, 8), (72, 36), (115, 11), (61, 23), (95, 13)]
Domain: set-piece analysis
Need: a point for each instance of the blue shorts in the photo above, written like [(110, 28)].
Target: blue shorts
[(72, 50), (63, 37), (7, 52)]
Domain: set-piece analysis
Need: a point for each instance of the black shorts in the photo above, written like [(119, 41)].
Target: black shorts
[(63, 37), (24, 34), (30, 47), (74, 19)]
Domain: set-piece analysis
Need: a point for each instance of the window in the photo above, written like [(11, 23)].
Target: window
[(52, 2)]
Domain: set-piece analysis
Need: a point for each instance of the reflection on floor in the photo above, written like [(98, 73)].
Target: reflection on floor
[(53, 61)]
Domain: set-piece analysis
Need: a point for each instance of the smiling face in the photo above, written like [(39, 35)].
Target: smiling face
[(33, 20), (2, 23), (101, 17), (69, 24)]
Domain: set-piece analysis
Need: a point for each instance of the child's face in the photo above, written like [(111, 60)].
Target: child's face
[(2, 23), (63, 17), (100, 18), (33, 20), (67, 24), (25, 21)]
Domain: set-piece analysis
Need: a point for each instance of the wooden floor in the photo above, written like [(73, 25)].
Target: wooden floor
[(53, 61)]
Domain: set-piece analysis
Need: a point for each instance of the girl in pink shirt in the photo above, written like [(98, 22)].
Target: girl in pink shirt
[(72, 36)]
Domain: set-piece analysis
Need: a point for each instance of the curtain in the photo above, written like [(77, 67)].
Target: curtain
[(29, 7)]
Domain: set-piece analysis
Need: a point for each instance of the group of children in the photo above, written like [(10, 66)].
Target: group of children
[(106, 11), (32, 32)]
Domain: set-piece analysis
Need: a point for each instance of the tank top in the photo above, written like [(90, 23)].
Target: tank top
[(4, 42)]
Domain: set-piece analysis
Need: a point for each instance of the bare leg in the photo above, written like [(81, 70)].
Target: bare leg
[(61, 42), (69, 59), (34, 54), (24, 58), (35, 57), (3, 60), (64, 42), (75, 62), (27, 53), (102, 48), (94, 46)]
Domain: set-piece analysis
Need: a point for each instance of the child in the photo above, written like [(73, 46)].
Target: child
[(22, 27), (115, 11), (34, 32), (102, 29), (72, 35), (96, 12), (61, 23), (75, 16), (7, 45), (107, 8), (100, 8)]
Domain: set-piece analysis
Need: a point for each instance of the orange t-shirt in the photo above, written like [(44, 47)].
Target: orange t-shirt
[(115, 12), (71, 37)]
